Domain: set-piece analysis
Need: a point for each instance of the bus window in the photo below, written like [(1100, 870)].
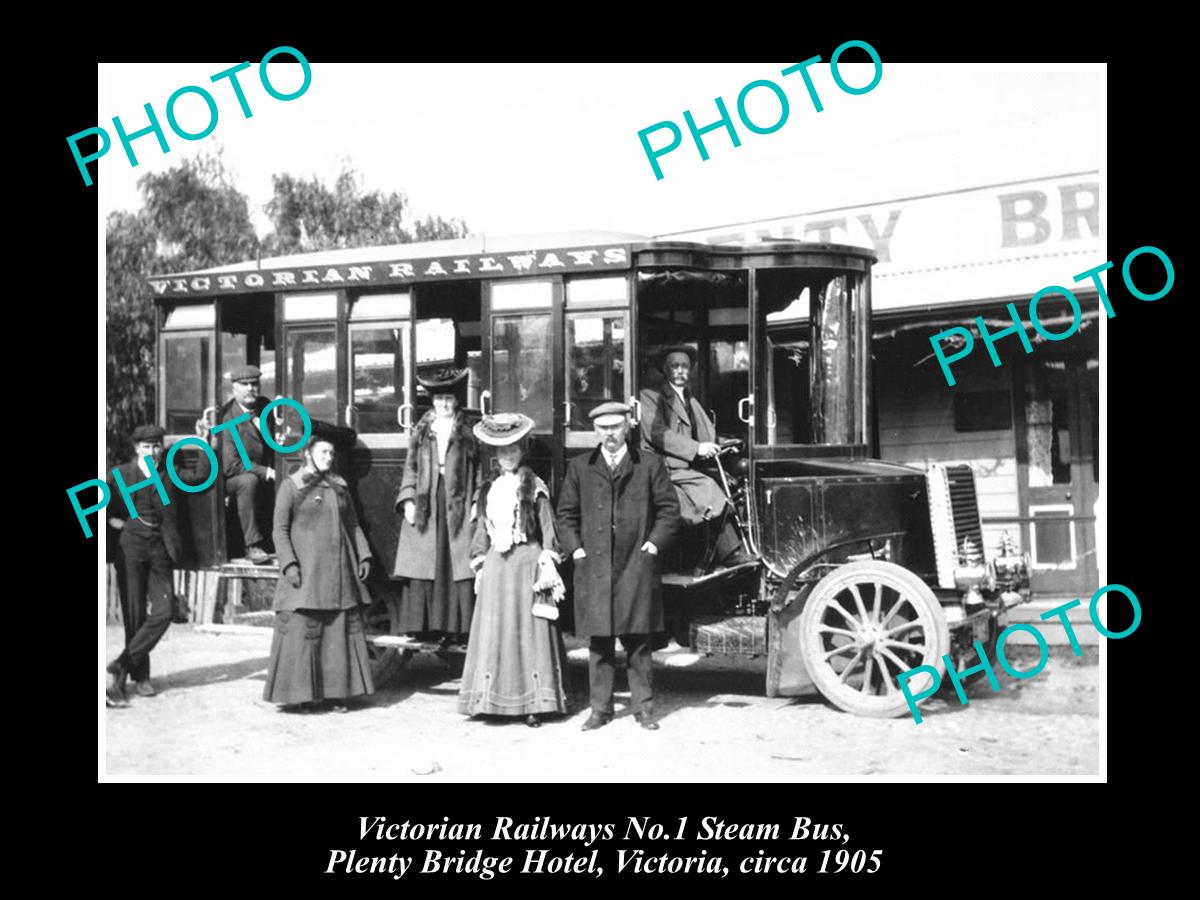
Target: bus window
[(248, 338), (706, 311), (815, 365), (522, 367), (379, 363), (728, 366), (835, 407), (378, 376), (595, 365), (788, 373), (787, 386), (310, 357), (186, 363), (449, 331), (188, 359), (239, 349)]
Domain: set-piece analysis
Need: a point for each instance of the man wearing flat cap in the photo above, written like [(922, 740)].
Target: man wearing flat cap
[(676, 428), (617, 512), (150, 547), (246, 487)]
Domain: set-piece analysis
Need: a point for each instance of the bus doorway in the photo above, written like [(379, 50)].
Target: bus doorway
[(246, 338), (701, 319), (707, 312)]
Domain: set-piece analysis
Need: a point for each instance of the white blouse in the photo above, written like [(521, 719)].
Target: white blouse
[(503, 504), (441, 429)]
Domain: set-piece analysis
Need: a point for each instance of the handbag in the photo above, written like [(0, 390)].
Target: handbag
[(180, 613), (548, 589)]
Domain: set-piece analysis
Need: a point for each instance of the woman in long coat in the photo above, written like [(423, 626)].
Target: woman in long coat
[(515, 657), (318, 651), (436, 499)]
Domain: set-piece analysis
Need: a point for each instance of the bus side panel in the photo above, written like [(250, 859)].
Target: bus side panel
[(199, 514), (788, 521), (878, 505), (375, 475)]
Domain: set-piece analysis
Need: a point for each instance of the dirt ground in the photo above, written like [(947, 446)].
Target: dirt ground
[(209, 720)]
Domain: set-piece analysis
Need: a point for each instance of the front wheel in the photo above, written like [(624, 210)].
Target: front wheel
[(863, 624)]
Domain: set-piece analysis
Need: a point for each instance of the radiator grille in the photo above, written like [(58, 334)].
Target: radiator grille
[(964, 507)]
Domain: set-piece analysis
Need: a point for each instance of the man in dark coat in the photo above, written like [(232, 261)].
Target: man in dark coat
[(676, 427), (242, 485), (150, 546), (616, 512)]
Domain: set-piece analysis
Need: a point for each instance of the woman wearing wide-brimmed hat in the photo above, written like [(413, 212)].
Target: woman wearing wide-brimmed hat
[(437, 495), (515, 658), (318, 651)]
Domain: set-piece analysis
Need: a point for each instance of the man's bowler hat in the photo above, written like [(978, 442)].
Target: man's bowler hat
[(678, 348)]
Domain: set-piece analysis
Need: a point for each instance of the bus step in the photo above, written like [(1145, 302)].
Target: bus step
[(719, 576)]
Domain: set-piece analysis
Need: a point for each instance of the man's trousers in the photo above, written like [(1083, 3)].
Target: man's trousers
[(601, 672)]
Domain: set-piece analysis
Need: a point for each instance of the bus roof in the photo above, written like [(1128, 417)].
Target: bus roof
[(470, 245), (480, 256)]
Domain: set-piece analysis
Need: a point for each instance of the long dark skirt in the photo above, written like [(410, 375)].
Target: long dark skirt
[(317, 654), (515, 660), (442, 606)]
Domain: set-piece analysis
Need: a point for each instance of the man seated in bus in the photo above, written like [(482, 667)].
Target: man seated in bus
[(245, 486), (676, 427)]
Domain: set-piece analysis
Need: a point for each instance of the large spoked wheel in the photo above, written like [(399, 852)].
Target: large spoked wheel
[(863, 624), (387, 663)]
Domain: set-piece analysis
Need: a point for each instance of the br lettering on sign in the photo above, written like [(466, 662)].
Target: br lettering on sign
[(155, 127), (726, 121), (155, 480)]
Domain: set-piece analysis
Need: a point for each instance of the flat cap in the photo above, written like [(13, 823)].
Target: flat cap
[(245, 373), (148, 433), (611, 408)]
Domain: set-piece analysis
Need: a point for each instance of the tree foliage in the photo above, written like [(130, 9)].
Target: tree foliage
[(129, 328), (198, 216), (308, 215), (194, 217)]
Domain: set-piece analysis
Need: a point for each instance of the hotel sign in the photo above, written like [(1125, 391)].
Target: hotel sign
[(976, 244)]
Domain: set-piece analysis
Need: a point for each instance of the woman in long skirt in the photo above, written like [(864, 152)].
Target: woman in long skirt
[(515, 659), (318, 651), (436, 499)]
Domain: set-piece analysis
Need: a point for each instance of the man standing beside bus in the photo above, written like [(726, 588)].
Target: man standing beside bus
[(150, 547), (616, 513), (245, 487)]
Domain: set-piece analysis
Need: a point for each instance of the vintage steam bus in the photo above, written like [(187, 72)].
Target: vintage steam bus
[(864, 568)]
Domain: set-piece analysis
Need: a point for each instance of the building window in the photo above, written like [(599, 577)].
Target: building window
[(1047, 425), (1052, 535), (982, 411)]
